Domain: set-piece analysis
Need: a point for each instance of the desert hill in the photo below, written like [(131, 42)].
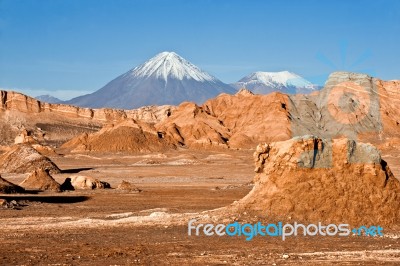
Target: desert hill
[(128, 135)]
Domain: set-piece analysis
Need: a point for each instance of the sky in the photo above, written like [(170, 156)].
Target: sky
[(73, 47)]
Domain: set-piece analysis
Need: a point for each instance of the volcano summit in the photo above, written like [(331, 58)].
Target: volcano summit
[(166, 78)]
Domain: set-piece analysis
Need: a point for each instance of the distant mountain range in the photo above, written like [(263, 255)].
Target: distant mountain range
[(48, 99), (267, 82), (169, 79)]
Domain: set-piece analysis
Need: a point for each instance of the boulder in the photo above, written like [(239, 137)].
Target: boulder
[(129, 187), (87, 182)]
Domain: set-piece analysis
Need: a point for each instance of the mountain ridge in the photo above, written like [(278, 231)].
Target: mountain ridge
[(261, 82), (48, 98)]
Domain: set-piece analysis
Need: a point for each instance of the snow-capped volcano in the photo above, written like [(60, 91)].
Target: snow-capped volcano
[(283, 81), (170, 65), (166, 78)]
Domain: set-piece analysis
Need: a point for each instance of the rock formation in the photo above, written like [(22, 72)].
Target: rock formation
[(40, 179), (251, 119), (308, 179), (25, 138), (128, 187), (59, 122), (22, 158), (193, 126), (87, 182), (14, 101)]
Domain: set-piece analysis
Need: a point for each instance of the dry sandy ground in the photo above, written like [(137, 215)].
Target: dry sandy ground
[(110, 227)]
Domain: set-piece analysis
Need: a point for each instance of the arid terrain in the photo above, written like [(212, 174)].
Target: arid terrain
[(93, 227), (64, 202)]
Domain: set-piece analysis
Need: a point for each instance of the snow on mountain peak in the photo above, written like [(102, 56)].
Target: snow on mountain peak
[(170, 65), (282, 78), (283, 81)]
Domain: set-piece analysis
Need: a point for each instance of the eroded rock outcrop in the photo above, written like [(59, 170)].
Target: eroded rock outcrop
[(14, 101), (40, 179), (194, 127), (25, 138), (251, 119), (59, 122), (308, 179)]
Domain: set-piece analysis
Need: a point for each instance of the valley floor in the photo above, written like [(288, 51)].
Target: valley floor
[(111, 227)]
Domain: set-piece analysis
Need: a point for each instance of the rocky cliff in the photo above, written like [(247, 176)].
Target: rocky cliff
[(13, 101), (62, 122)]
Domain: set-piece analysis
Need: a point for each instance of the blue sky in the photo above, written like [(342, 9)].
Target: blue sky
[(68, 48)]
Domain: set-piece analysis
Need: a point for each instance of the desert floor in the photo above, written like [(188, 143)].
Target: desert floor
[(112, 227)]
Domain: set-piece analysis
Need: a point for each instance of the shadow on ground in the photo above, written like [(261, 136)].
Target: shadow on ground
[(75, 170), (46, 199)]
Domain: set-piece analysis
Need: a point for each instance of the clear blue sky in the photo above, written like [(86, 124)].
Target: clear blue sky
[(73, 47)]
